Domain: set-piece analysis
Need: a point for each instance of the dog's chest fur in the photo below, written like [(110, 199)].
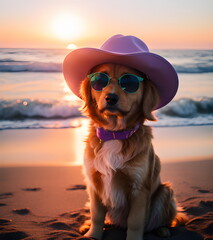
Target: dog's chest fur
[(110, 162)]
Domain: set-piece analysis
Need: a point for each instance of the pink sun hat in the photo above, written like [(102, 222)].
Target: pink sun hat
[(125, 50)]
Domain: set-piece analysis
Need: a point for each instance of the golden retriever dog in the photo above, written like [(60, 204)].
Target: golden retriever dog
[(123, 176)]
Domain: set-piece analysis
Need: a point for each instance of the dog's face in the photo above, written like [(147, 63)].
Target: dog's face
[(113, 107), (112, 101)]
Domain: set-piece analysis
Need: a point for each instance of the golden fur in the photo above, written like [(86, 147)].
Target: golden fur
[(122, 177)]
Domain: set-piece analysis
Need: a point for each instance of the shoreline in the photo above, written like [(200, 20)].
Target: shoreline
[(65, 147)]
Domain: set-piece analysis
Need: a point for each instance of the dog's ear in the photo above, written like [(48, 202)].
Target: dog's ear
[(149, 100), (85, 93), (90, 106)]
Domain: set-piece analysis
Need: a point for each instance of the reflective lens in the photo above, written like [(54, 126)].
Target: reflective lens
[(99, 80), (130, 83)]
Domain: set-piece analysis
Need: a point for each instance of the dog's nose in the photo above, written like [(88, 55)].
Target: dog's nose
[(111, 99)]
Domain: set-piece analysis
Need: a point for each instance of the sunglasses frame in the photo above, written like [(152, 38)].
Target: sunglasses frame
[(140, 79)]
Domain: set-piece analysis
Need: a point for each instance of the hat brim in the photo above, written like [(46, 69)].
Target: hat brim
[(78, 63)]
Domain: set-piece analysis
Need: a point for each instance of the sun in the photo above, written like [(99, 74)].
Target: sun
[(71, 46), (67, 27)]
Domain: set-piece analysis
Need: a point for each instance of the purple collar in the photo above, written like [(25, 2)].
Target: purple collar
[(107, 135)]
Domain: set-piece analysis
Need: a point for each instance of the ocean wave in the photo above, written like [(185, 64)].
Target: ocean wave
[(34, 114), (41, 124), (188, 108), (10, 65), (194, 68), (36, 109)]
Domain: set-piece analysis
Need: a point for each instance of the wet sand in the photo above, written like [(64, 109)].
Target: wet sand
[(49, 202), (42, 190)]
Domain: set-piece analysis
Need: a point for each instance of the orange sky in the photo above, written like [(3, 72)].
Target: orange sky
[(56, 23)]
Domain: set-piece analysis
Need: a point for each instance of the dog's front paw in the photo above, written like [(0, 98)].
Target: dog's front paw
[(94, 233)]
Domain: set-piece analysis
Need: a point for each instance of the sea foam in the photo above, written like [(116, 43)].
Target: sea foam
[(26, 113)]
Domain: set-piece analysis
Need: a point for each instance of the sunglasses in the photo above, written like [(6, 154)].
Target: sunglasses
[(128, 82)]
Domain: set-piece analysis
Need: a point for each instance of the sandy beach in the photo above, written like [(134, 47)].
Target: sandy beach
[(42, 190)]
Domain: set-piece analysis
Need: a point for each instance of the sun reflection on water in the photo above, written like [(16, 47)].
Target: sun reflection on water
[(78, 137), (68, 95)]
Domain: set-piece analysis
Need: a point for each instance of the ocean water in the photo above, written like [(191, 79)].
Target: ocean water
[(33, 93)]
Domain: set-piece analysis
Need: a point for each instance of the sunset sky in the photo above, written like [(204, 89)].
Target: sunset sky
[(57, 23)]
